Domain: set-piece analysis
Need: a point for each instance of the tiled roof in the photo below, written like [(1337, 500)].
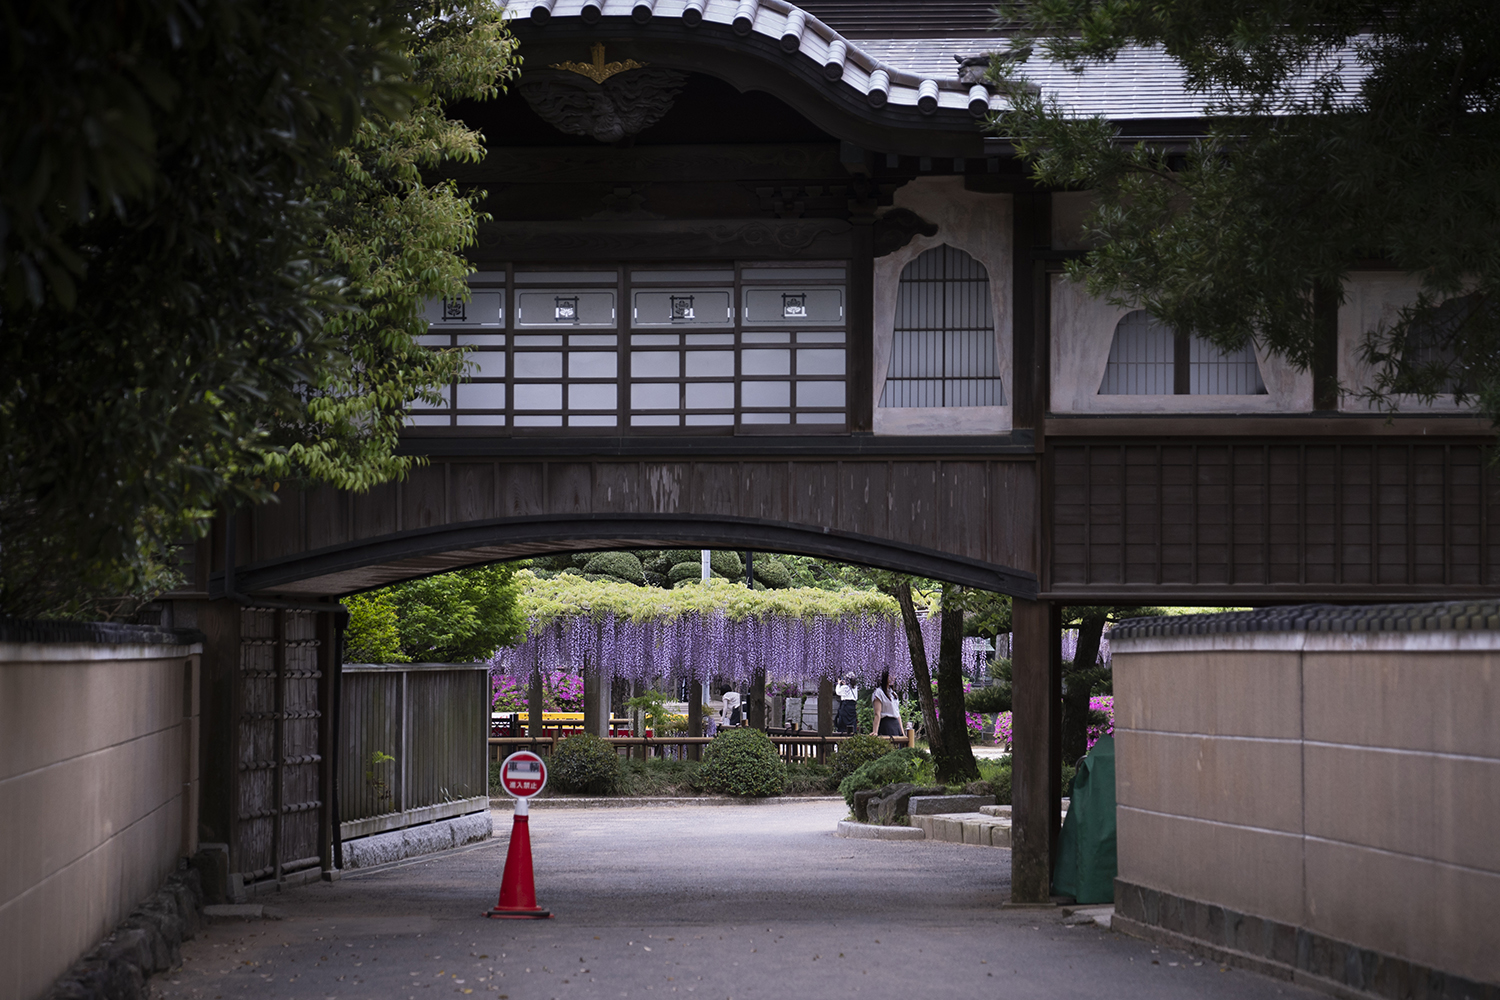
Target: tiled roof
[(1433, 617), (907, 71), (799, 34)]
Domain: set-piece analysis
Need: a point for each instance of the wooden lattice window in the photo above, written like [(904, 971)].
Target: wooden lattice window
[(943, 346), (1147, 358)]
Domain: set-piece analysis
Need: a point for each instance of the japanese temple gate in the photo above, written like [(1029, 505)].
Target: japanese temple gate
[(756, 279)]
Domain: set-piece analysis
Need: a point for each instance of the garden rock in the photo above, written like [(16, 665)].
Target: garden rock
[(891, 805), (929, 805), (862, 803)]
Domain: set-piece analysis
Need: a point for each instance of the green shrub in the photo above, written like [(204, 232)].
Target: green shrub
[(727, 564), (808, 777), (689, 572), (906, 764), (988, 700), (743, 762), (855, 751), (771, 572), (621, 565), (585, 764)]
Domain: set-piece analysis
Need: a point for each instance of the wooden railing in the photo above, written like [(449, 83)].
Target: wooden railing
[(794, 748)]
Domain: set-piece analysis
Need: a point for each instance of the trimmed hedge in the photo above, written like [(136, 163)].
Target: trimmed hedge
[(586, 764), (857, 750), (771, 572), (622, 565), (743, 762)]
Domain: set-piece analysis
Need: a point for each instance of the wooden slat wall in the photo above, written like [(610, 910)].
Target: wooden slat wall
[(1272, 517), (434, 722), (279, 759)]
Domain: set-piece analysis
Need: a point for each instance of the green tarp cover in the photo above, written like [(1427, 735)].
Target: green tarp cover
[(1086, 864)]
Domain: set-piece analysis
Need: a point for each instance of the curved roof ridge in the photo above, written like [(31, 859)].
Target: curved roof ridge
[(800, 34)]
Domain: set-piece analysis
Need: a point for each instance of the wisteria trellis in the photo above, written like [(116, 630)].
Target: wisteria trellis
[(720, 630), (709, 644)]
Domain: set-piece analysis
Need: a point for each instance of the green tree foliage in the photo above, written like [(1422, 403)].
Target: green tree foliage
[(1338, 132), (373, 634), (179, 299), (457, 617), (395, 233)]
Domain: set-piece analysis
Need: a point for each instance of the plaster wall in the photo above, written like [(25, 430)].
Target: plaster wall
[(1342, 786), (1373, 300), (980, 226), (1083, 327), (99, 776)]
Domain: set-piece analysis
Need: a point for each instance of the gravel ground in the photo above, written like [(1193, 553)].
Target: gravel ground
[(726, 902)]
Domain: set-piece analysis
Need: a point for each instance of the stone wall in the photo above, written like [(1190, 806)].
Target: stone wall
[(1316, 789), (99, 780)]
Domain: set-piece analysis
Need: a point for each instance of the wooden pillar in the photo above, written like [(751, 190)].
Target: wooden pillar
[(755, 700), (330, 626), (592, 698), (825, 707), (534, 701), (219, 729), (694, 715), (861, 318), (1036, 757)]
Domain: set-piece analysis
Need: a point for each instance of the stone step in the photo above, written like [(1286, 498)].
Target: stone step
[(965, 828), (996, 811)]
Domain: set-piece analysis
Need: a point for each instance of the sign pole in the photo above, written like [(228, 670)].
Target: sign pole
[(523, 774)]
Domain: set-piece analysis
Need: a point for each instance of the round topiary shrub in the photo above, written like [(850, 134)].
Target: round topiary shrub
[(771, 572), (892, 768), (585, 764), (727, 564), (855, 751), (621, 565), (743, 762)]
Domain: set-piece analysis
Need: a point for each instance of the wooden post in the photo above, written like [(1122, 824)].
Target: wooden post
[(534, 706), (1036, 677), (825, 716), (591, 699), (694, 716), (756, 698)]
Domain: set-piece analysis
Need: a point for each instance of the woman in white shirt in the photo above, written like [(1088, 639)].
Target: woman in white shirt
[(887, 709), (846, 721)]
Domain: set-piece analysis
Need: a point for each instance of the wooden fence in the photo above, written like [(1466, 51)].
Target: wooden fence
[(793, 748), (413, 744)]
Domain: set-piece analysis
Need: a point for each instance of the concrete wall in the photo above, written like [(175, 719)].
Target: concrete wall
[(98, 776), (1344, 785)]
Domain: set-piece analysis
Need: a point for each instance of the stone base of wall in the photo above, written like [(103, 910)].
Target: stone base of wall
[(1282, 950), (428, 838), (147, 942)]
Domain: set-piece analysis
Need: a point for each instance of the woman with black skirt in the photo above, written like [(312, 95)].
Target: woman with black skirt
[(887, 709), (847, 719)]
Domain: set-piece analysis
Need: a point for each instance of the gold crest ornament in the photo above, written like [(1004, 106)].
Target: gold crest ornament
[(598, 70)]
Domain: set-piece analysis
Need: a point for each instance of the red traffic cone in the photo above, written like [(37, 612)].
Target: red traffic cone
[(517, 886)]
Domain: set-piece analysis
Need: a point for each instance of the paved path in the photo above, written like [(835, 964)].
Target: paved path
[(740, 902)]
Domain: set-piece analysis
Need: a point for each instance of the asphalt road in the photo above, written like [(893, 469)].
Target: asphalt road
[(717, 902)]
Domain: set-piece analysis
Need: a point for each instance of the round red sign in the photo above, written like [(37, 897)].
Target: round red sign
[(523, 774)]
